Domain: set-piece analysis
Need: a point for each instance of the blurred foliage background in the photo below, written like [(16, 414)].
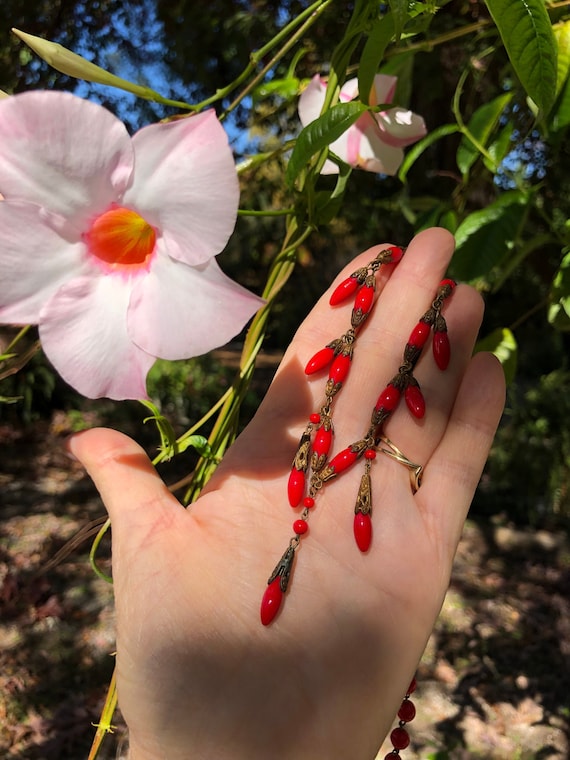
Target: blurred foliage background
[(508, 204)]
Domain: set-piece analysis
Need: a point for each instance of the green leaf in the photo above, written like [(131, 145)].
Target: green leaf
[(373, 52), (481, 126), (503, 344), (559, 309), (561, 114), (485, 238), (168, 446), (502, 145), (198, 442), (327, 204), (526, 31), (286, 88), (415, 152), (562, 36), (320, 133), (400, 13)]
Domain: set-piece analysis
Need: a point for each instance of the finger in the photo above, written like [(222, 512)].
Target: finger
[(453, 472), (130, 487)]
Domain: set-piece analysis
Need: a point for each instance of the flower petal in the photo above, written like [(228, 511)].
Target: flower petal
[(35, 261), (374, 154), (348, 91), (179, 311), (83, 331), (311, 100), (383, 89), (186, 185), (62, 152), (400, 127)]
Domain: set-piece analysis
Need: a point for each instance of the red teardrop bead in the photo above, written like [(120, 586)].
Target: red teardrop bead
[(271, 601), (419, 335), (363, 530), (397, 254), (441, 349), (320, 360), (364, 299), (447, 283), (400, 738), (339, 368), (323, 440), (407, 711), (296, 487), (343, 460), (344, 290), (415, 401), (389, 398)]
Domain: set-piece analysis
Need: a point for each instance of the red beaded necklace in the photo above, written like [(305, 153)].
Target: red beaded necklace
[(311, 465)]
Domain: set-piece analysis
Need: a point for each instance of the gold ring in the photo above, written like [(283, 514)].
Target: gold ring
[(416, 470)]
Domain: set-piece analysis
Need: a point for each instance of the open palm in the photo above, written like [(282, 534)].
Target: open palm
[(198, 675)]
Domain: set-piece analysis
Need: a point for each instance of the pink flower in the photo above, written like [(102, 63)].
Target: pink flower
[(108, 243), (375, 141)]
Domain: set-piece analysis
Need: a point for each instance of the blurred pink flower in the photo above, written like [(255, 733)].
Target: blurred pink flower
[(375, 141), (108, 243)]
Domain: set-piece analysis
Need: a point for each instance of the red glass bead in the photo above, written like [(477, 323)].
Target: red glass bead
[(363, 530), (400, 738), (419, 335), (320, 360), (339, 368), (441, 349), (271, 601), (392, 755), (344, 290), (364, 299), (397, 254), (323, 440), (308, 502), (300, 527), (447, 283), (315, 418), (370, 454), (343, 460), (295, 486), (407, 711), (412, 687), (415, 401), (389, 398)]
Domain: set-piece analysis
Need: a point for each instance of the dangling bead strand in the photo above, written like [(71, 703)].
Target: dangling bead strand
[(337, 356), (399, 737)]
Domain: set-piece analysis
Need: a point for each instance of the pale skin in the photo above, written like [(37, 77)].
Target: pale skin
[(198, 675)]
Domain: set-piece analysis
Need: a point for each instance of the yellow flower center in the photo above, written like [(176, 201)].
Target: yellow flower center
[(121, 237)]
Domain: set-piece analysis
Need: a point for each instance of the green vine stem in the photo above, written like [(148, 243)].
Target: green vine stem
[(225, 427)]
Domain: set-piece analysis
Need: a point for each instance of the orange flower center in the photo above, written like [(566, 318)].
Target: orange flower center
[(121, 237)]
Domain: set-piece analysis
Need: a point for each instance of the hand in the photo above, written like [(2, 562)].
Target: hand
[(198, 675)]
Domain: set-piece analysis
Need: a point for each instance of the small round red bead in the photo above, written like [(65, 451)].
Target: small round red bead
[(400, 738), (315, 418), (407, 711), (300, 527), (370, 454), (308, 502)]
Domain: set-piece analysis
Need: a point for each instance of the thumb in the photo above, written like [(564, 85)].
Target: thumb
[(130, 487)]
